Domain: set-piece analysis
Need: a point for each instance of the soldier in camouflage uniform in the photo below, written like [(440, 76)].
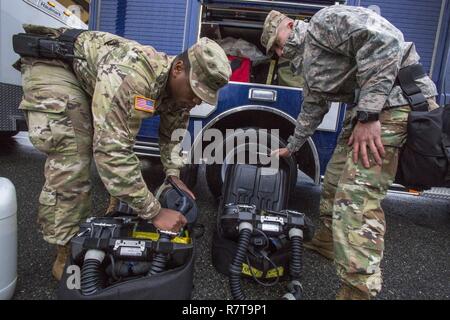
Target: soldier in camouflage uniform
[(95, 107), (351, 55)]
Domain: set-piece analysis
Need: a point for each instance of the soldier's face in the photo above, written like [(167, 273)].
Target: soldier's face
[(284, 30), (180, 89)]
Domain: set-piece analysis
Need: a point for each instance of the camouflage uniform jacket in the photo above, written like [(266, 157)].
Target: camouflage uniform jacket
[(124, 78), (343, 50)]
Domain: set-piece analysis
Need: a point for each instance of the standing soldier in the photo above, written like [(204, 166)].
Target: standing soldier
[(93, 104), (352, 55)]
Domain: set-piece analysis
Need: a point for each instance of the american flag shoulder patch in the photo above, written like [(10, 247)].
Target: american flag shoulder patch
[(144, 104)]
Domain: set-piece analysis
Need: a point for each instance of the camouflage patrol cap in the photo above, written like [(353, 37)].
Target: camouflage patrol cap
[(269, 34), (210, 69)]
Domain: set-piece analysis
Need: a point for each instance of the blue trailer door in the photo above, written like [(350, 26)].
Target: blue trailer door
[(277, 3), (169, 26), (418, 20), (444, 74), (287, 6), (441, 73)]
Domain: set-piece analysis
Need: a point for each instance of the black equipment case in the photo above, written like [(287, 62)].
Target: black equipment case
[(130, 268), (174, 284), (266, 189)]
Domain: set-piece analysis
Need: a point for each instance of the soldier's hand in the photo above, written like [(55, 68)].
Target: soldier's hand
[(169, 220), (281, 153), (367, 136), (182, 186)]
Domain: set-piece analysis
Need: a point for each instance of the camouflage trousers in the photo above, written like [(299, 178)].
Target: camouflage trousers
[(350, 205), (59, 120)]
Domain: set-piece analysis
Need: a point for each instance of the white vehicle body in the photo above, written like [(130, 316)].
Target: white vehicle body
[(13, 14)]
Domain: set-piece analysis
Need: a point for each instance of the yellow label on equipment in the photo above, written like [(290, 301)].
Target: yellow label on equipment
[(146, 235), (155, 236), (272, 273), (254, 272)]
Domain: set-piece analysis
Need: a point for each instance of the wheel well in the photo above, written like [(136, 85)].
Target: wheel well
[(307, 158)]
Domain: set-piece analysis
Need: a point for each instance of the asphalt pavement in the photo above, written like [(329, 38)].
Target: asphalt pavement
[(416, 263)]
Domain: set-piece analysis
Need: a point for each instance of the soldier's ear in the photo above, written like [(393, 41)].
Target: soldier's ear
[(290, 24), (179, 67)]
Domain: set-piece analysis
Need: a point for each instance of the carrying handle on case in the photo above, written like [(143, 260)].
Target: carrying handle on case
[(183, 204)]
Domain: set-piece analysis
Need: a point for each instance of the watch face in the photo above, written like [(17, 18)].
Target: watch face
[(363, 116)]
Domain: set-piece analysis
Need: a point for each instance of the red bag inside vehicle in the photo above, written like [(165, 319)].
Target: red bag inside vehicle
[(241, 68)]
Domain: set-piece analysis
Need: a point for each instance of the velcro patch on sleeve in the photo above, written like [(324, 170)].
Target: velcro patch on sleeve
[(144, 104)]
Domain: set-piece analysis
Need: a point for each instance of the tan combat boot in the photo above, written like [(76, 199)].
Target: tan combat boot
[(60, 261), (322, 243), (112, 207), (347, 292)]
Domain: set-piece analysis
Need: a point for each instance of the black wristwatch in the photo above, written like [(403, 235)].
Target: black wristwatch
[(364, 116)]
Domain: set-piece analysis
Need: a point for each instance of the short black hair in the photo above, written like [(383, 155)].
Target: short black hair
[(185, 58)]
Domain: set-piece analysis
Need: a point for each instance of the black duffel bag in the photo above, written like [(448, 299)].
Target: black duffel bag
[(425, 157)]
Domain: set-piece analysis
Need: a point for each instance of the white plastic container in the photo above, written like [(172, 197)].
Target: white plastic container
[(8, 239)]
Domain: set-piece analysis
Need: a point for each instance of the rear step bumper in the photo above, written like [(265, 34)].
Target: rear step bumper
[(437, 193), (433, 193)]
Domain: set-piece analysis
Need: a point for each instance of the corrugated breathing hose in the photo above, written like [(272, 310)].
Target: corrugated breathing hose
[(295, 267), (92, 278), (245, 233)]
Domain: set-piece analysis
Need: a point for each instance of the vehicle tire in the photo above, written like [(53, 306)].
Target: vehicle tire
[(215, 173)]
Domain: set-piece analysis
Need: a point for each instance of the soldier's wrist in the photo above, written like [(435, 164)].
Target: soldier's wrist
[(151, 210), (366, 117), (290, 146), (293, 144), (173, 172)]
